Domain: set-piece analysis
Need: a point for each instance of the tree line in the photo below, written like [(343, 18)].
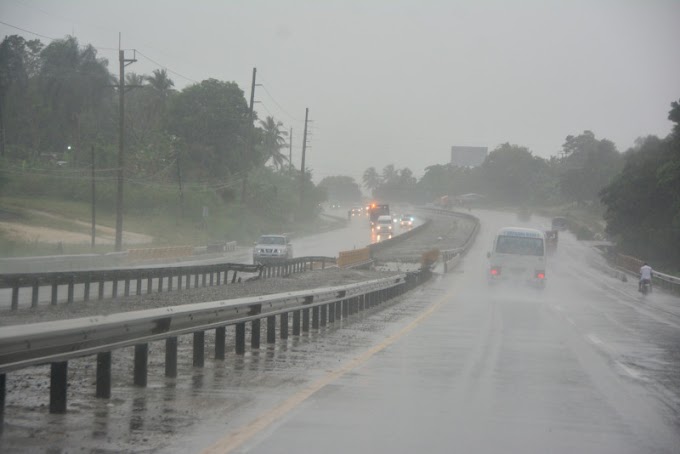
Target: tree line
[(58, 101), (637, 192)]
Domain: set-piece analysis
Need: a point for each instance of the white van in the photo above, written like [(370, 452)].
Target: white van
[(384, 224), (518, 256)]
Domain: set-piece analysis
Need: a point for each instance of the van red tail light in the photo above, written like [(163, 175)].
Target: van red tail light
[(495, 271), (540, 275)]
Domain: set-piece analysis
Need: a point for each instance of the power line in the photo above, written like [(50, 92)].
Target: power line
[(279, 105), (28, 31), (49, 37), (166, 68)]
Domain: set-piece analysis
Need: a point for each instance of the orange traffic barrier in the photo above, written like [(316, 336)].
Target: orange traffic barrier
[(353, 257)]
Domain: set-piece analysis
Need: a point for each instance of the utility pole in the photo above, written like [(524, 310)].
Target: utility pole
[(290, 152), (179, 181), (250, 138), (302, 167), (123, 62), (93, 201)]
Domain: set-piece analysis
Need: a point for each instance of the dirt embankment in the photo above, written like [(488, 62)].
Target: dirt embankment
[(17, 230)]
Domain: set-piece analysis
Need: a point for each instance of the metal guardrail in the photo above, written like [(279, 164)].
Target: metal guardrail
[(374, 247), (633, 265), (165, 279), (58, 342), (451, 257)]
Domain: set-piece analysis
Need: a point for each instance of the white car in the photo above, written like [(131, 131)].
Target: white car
[(272, 248)]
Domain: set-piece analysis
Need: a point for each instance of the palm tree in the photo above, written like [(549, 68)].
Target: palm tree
[(273, 141), (371, 179), (389, 173), (161, 87), (134, 79)]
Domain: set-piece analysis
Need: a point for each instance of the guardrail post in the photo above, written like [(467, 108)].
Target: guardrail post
[(15, 297), (345, 308), (86, 290), (171, 277), (220, 340), (127, 284), (240, 340), (179, 281), (203, 279), (103, 375), (141, 364), (233, 278), (55, 289), (100, 289), (255, 333), (315, 317), (114, 290), (149, 285), (305, 320), (3, 393), (338, 310), (199, 348), (212, 278), (219, 278), (139, 286), (284, 325), (296, 323), (58, 387), (160, 283), (171, 357), (271, 329), (71, 285), (34, 294), (331, 312), (323, 312)]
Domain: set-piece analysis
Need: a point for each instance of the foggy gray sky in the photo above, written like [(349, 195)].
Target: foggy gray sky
[(401, 81)]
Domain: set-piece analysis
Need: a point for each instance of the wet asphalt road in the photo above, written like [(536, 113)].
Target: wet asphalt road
[(585, 366), (356, 234)]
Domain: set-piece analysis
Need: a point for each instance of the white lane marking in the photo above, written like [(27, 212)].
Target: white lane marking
[(631, 372), (594, 339)]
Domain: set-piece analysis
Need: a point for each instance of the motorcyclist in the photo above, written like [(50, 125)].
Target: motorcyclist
[(645, 276)]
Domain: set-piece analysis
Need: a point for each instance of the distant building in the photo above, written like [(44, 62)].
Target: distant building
[(468, 156)]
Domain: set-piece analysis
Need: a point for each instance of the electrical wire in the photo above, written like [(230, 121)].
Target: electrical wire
[(165, 67), (279, 105)]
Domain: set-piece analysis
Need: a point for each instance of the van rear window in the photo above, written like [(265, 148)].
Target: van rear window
[(519, 245)]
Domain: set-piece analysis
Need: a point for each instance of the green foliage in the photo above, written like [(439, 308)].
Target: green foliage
[(271, 142), (643, 201), (342, 189), (587, 166), (211, 118)]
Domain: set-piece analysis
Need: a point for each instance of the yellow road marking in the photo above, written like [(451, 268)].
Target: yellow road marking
[(240, 436)]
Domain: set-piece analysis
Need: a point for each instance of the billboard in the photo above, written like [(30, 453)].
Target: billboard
[(468, 156)]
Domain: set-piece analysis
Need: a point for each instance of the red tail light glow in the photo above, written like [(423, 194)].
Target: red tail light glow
[(495, 271), (540, 275)]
